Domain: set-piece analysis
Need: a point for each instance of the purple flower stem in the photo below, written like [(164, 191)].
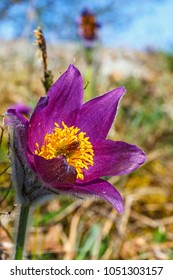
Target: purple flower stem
[(21, 231)]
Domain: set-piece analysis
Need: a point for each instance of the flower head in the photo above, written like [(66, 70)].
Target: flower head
[(88, 27), (63, 148)]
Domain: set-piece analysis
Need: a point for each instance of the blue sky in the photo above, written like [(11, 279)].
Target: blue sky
[(153, 27), (149, 23)]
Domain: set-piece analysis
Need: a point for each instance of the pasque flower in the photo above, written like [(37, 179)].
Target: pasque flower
[(88, 27), (62, 147)]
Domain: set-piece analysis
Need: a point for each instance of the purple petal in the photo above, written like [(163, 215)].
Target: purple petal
[(38, 125), (96, 116), (66, 95), (21, 108), (54, 171), (113, 159), (14, 116), (62, 103), (104, 190), (19, 126), (98, 188)]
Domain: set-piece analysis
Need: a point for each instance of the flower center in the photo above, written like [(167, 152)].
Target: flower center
[(68, 142)]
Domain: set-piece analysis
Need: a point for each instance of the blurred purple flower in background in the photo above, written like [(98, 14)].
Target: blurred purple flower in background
[(88, 27), (63, 148)]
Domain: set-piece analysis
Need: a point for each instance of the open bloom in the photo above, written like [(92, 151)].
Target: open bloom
[(63, 145), (88, 27)]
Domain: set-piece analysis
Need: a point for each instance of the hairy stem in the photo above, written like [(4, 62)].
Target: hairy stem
[(21, 231)]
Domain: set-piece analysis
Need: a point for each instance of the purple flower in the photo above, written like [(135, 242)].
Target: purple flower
[(21, 108), (88, 27), (63, 145)]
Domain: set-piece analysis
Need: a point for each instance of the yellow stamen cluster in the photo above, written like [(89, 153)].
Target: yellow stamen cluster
[(71, 143)]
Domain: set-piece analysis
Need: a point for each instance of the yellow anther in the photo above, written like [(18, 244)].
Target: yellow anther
[(71, 143)]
